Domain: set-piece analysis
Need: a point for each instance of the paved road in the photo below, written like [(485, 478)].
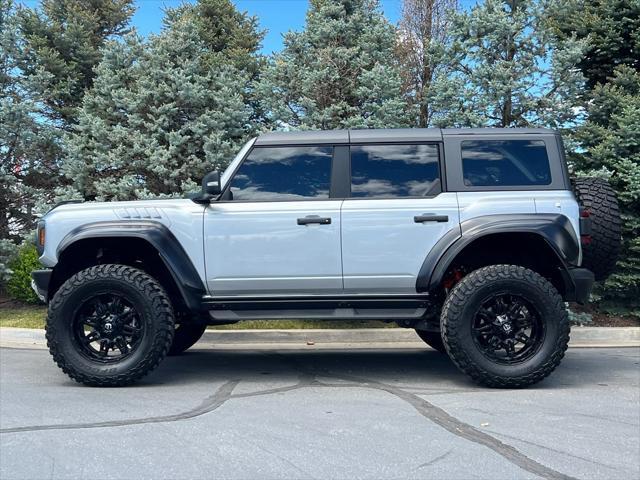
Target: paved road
[(391, 413)]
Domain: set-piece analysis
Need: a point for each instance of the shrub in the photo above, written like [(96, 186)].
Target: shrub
[(19, 285), (8, 251)]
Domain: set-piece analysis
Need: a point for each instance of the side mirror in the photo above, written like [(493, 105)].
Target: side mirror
[(211, 188), (211, 184)]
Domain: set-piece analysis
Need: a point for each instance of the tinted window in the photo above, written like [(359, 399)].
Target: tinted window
[(284, 173), (394, 170), (505, 162)]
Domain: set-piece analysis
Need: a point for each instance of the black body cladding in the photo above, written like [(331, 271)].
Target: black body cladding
[(160, 237)]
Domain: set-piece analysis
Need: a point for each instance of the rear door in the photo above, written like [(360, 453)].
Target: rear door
[(396, 213), (276, 229)]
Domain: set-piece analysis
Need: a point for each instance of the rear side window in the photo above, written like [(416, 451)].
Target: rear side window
[(505, 163), (284, 173), (385, 171)]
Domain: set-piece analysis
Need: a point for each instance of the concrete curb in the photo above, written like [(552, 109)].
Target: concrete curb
[(338, 338)]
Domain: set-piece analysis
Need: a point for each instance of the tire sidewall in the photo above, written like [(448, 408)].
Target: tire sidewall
[(461, 338), (61, 321)]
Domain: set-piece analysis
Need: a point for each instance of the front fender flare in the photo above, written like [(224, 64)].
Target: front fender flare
[(169, 249)]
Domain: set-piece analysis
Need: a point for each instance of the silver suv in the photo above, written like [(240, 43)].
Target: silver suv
[(474, 238)]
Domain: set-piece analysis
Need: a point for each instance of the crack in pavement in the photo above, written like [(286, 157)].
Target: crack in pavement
[(309, 378), (208, 405)]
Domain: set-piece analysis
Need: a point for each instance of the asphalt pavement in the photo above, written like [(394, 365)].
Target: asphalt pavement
[(266, 412)]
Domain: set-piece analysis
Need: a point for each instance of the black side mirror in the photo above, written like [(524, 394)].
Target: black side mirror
[(211, 184), (211, 188)]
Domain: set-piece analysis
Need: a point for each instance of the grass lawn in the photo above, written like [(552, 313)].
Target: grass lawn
[(33, 316)]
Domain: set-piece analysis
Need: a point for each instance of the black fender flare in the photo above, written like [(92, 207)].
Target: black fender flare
[(555, 229), (169, 249)]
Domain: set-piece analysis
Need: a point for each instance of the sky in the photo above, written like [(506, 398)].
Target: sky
[(276, 16)]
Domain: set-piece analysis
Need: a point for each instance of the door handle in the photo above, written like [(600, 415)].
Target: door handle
[(314, 219), (430, 217)]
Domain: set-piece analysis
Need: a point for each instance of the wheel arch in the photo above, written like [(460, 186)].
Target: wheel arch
[(505, 239), (136, 243)]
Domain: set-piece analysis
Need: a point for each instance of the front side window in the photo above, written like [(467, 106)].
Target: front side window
[(388, 171), (284, 173), (505, 163)]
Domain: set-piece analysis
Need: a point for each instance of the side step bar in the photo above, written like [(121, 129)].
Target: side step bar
[(315, 302)]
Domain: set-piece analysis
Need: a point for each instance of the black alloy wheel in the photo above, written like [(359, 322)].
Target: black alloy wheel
[(107, 327), (508, 329), (505, 326)]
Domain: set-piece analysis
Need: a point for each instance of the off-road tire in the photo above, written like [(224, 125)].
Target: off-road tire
[(433, 339), (186, 335), (461, 306), (156, 313), (597, 197)]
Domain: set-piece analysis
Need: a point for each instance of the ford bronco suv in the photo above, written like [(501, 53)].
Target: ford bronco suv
[(474, 238)]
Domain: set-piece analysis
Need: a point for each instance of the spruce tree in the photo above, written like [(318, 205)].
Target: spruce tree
[(63, 38), (610, 146), (28, 145), (612, 28), (340, 71), (160, 115), (507, 70)]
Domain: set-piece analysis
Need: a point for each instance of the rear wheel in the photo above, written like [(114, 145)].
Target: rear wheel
[(599, 203), (505, 326), (109, 325), (433, 339)]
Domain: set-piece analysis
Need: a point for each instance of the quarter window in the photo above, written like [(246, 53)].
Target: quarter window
[(394, 170), (284, 173), (505, 163)]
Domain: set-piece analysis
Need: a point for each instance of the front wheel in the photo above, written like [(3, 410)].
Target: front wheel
[(505, 326), (109, 325)]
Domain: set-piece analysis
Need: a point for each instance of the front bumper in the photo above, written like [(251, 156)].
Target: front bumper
[(40, 280), (579, 285)]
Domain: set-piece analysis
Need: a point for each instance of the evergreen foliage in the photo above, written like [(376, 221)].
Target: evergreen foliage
[(423, 37), (612, 28), (63, 38), (610, 147), (339, 72), (161, 114), (28, 146), (21, 266), (507, 70)]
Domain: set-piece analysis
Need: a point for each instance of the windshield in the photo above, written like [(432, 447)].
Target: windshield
[(234, 163)]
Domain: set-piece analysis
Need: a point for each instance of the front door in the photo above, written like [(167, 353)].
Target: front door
[(275, 230), (396, 214)]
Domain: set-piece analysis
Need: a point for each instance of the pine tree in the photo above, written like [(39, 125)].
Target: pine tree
[(63, 38), (610, 146), (229, 36), (612, 28), (507, 70), (423, 36), (339, 72), (161, 114), (28, 146), (608, 142)]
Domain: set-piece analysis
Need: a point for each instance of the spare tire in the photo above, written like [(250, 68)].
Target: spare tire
[(599, 204)]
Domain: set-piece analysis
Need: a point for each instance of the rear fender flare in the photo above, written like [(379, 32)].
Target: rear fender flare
[(555, 229)]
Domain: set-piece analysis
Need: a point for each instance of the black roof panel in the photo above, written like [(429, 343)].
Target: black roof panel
[(305, 137), (496, 131), (315, 137), (396, 135)]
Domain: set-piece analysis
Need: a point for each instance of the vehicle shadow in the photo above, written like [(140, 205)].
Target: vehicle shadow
[(406, 366), (410, 367)]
